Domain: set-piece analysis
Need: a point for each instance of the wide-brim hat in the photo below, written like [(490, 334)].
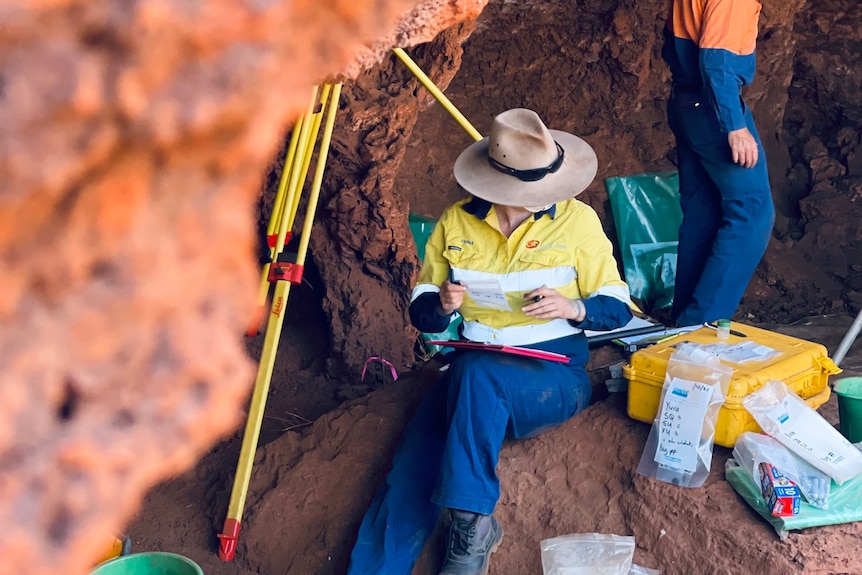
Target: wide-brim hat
[(523, 163)]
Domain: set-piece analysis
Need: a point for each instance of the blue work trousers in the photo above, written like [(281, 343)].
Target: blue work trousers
[(727, 214), (448, 454)]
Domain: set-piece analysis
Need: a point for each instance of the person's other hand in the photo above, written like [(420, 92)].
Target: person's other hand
[(451, 296), (552, 305), (743, 147)]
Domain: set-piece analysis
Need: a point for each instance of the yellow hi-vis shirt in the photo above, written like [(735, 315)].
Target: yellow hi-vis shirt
[(565, 249)]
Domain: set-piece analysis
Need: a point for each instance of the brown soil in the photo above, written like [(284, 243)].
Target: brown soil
[(311, 485)]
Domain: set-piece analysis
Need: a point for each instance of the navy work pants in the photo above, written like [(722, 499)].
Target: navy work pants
[(727, 214), (448, 454)]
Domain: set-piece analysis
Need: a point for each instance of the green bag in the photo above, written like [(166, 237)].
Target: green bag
[(647, 216)]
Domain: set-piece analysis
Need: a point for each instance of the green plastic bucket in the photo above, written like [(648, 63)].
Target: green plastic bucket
[(156, 563), (849, 392)]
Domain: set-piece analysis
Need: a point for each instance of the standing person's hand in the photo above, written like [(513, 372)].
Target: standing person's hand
[(552, 304), (743, 147), (451, 296)]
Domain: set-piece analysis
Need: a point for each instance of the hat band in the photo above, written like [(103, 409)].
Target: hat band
[(533, 174)]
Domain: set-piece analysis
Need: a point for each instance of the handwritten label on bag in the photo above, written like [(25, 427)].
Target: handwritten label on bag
[(680, 424)]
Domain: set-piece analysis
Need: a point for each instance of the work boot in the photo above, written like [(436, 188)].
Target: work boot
[(472, 539)]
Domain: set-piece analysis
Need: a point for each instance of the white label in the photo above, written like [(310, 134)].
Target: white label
[(680, 424), (804, 430), (740, 352)]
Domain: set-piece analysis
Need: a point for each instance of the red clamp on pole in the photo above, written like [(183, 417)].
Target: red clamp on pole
[(286, 271), (227, 539), (272, 238)]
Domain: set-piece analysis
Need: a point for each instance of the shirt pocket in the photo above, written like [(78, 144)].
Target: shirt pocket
[(466, 258), (545, 259)]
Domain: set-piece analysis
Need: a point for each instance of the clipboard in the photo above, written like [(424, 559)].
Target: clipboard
[(514, 350)]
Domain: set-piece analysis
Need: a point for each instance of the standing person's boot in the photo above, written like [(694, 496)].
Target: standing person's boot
[(472, 539)]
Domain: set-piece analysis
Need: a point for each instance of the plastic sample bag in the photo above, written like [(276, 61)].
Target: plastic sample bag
[(588, 554), (752, 449), (679, 447), (784, 416), (845, 502), (647, 216)]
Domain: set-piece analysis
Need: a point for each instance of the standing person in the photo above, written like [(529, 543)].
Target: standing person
[(524, 264), (723, 183)]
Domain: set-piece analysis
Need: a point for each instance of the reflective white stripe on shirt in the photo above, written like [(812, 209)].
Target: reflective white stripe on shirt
[(620, 292), (423, 288), (521, 280), (518, 335)]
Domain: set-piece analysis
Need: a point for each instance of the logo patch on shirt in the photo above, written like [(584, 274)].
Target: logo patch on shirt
[(468, 242), (454, 248), (532, 244)]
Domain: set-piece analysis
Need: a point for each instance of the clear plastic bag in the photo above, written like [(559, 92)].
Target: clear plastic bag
[(752, 449), (588, 554), (679, 447), (784, 416), (638, 570)]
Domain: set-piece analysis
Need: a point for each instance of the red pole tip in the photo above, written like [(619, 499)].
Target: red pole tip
[(227, 539)]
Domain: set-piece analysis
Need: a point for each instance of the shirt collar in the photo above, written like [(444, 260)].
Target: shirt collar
[(481, 208)]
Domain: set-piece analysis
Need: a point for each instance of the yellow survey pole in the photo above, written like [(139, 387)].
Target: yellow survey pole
[(315, 128), (230, 531), (286, 171), (272, 225), (441, 97), (311, 210), (287, 198)]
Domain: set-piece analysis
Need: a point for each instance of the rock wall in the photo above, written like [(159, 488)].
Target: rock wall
[(363, 248)]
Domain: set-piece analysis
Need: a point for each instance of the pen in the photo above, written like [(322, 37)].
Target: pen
[(452, 277), (538, 298)]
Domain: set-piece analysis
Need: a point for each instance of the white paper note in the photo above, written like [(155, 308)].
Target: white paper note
[(488, 293), (680, 424)]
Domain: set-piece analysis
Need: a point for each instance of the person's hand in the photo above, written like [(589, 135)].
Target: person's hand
[(451, 296), (552, 305), (743, 147)]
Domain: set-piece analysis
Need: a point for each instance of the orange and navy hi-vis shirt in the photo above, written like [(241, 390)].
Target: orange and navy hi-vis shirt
[(710, 44)]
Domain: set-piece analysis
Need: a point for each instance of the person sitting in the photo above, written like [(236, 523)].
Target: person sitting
[(524, 264)]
